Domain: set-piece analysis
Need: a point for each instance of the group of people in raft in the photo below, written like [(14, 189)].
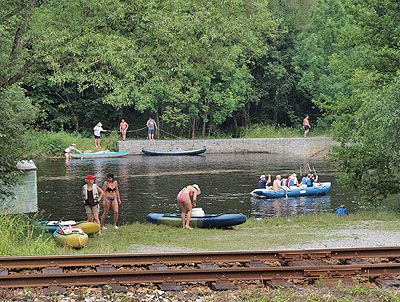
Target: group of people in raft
[(92, 194), (286, 183)]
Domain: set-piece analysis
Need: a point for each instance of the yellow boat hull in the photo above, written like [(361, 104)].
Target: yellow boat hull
[(89, 228), (74, 240)]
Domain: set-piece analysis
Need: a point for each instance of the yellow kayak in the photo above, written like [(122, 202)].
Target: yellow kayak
[(72, 236), (89, 228)]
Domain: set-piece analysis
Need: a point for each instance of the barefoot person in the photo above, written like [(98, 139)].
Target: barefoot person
[(306, 125), (111, 198), (91, 194), (97, 131), (185, 203), (276, 186), (151, 125), (67, 151), (123, 127)]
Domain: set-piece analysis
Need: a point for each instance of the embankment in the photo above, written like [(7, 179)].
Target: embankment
[(307, 147)]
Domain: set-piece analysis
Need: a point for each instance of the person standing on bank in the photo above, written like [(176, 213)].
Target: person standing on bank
[(151, 125), (97, 131), (306, 125), (111, 197), (185, 203), (91, 194), (123, 127)]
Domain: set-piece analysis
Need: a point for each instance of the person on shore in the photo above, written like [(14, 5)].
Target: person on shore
[(123, 127), (67, 151), (111, 198), (263, 182), (342, 211), (97, 131), (276, 186), (185, 203), (151, 125), (91, 194), (306, 125)]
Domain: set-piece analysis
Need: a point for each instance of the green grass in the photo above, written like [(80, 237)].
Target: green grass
[(21, 238), (44, 143), (270, 131)]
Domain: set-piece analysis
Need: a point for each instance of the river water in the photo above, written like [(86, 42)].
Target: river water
[(150, 184)]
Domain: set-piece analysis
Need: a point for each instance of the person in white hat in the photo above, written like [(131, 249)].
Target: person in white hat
[(185, 203), (97, 131), (262, 183), (67, 151)]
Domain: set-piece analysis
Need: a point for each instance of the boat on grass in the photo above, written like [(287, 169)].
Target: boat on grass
[(317, 189), (206, 221), (72, 236), (100, 154), (51, 226), (175, 152)]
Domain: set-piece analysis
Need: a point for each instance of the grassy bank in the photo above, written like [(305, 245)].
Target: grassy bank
[(45, 143), (20, 237)]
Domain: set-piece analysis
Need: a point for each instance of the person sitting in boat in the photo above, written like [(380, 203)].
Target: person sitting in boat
[(91, 194), (293, 182), (311, 180), (185, 203), (67, 151), (285, 181), (263, 182), (342, 211), (304, 181), (276, 186)]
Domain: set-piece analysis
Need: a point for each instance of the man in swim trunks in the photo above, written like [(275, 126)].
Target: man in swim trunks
[(276, 186), (306, 125), (123, 127), (151, 125), (185, 204), (67, 151)]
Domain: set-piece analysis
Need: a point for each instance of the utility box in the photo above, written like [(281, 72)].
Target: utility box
[(25, 198)]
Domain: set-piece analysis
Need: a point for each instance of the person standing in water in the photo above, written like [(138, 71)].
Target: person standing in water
[(185, 203), (123, 127), (67, 151), (111, 198)]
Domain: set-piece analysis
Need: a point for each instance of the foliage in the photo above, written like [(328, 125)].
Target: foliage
[(16, 112)]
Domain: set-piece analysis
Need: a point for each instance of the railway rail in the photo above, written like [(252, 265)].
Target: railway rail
[(219, 269)]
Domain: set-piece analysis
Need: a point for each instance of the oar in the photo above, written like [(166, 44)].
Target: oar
[(309, 168), (315, 172)]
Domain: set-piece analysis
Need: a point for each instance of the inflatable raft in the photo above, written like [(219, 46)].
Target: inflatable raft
[(72, 236), (178, 152), (319, 189), (206, 221), (53, 225)]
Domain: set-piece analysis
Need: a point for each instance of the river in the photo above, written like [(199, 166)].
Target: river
[(150, 184)]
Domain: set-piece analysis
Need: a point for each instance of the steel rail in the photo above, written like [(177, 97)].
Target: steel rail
[(84, 260), (305, 273)]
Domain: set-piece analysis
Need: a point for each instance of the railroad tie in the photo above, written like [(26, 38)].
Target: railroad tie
[(115, 287), (52, 268), (169, 284), (54, 288), (223, 283)]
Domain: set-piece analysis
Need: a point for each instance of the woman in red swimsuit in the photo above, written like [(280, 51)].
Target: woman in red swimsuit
[(185, 203), (111, 197)]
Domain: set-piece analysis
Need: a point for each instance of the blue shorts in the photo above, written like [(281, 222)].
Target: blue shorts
[(306, 127), (151, 131)]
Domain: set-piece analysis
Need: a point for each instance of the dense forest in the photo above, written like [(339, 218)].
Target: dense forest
[(202, 68)]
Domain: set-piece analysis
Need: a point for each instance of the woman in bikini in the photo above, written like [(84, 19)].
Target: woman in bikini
[(185, 203), (111, 197)]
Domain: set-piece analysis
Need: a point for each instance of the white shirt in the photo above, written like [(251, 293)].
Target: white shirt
[(97, 130)]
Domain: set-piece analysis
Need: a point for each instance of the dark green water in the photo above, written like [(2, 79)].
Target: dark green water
[(150, 184)]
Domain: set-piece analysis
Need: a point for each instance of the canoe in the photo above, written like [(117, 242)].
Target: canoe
[(72, 236), (52, 225), (99, 154), (147, 151), (206, 221), (319, 189)]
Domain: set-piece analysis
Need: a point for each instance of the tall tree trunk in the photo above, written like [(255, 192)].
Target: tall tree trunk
[(193, 127), (67, 101), (203, 129), (276, 106), (158, 125)]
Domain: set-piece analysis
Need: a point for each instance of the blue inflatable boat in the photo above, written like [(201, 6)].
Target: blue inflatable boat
[(100, 154), (319, 189), (206, 221)]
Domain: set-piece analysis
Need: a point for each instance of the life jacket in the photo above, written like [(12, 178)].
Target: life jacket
[(94, 189), (309, 182), (304, 180), (291, 182), (283, 183)]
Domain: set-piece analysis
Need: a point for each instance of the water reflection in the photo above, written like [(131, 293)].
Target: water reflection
[(150, 184), (263, 207)]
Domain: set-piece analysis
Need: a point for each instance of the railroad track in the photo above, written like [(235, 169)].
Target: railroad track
[(219, 269)]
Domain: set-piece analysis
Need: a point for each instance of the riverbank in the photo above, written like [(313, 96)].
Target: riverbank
[(310, 147), (363, 229)]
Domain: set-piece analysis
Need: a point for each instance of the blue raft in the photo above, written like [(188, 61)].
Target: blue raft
[(101, 154), (320, 189), (206, 221)]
